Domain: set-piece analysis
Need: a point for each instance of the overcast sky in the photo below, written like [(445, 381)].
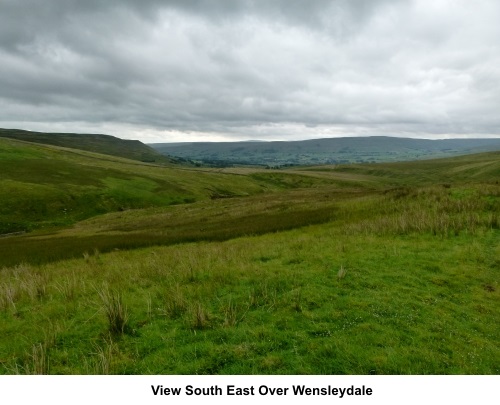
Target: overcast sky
[(199, 70)]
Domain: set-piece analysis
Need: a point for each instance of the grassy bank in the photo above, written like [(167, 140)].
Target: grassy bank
[(402, 281), (42, 187)]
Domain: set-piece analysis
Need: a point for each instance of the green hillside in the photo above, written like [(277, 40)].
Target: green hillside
[(467, 168), (104, 144), (347, 269), (45, 186), (326, 151)]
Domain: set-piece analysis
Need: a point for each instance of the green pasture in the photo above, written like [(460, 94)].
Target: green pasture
[(131, 268)]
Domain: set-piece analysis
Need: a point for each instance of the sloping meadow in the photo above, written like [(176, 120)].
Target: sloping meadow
[(400, 281)]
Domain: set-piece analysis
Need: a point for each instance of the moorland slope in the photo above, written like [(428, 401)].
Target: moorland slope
[(350, 269), (104, 144)]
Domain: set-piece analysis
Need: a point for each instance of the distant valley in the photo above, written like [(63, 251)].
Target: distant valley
[(324, 151)]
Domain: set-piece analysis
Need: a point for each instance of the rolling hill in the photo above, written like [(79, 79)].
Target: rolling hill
[(66, 193), (45, 186), (326, 151), (104, 144)]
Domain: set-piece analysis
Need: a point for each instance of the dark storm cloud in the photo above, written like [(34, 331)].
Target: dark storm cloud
[(244, 68)]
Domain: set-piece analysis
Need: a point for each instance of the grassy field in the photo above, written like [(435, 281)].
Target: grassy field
[(368, 269), (47, 186)]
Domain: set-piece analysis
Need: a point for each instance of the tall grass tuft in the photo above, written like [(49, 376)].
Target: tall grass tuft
[(231, 311), (69, 287), (104, 355), (341, 273), (92, 259), (116, 311), (86, 257), (200, 317), (175, 303), (38, 362), (261, 295), (297, 299), (8, 296), (33, 285)]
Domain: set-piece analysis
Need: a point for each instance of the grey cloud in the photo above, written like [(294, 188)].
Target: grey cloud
[(236, 67)]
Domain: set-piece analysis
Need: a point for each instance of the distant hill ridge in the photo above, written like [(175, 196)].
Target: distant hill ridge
[(327, 150), (105, 144)]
